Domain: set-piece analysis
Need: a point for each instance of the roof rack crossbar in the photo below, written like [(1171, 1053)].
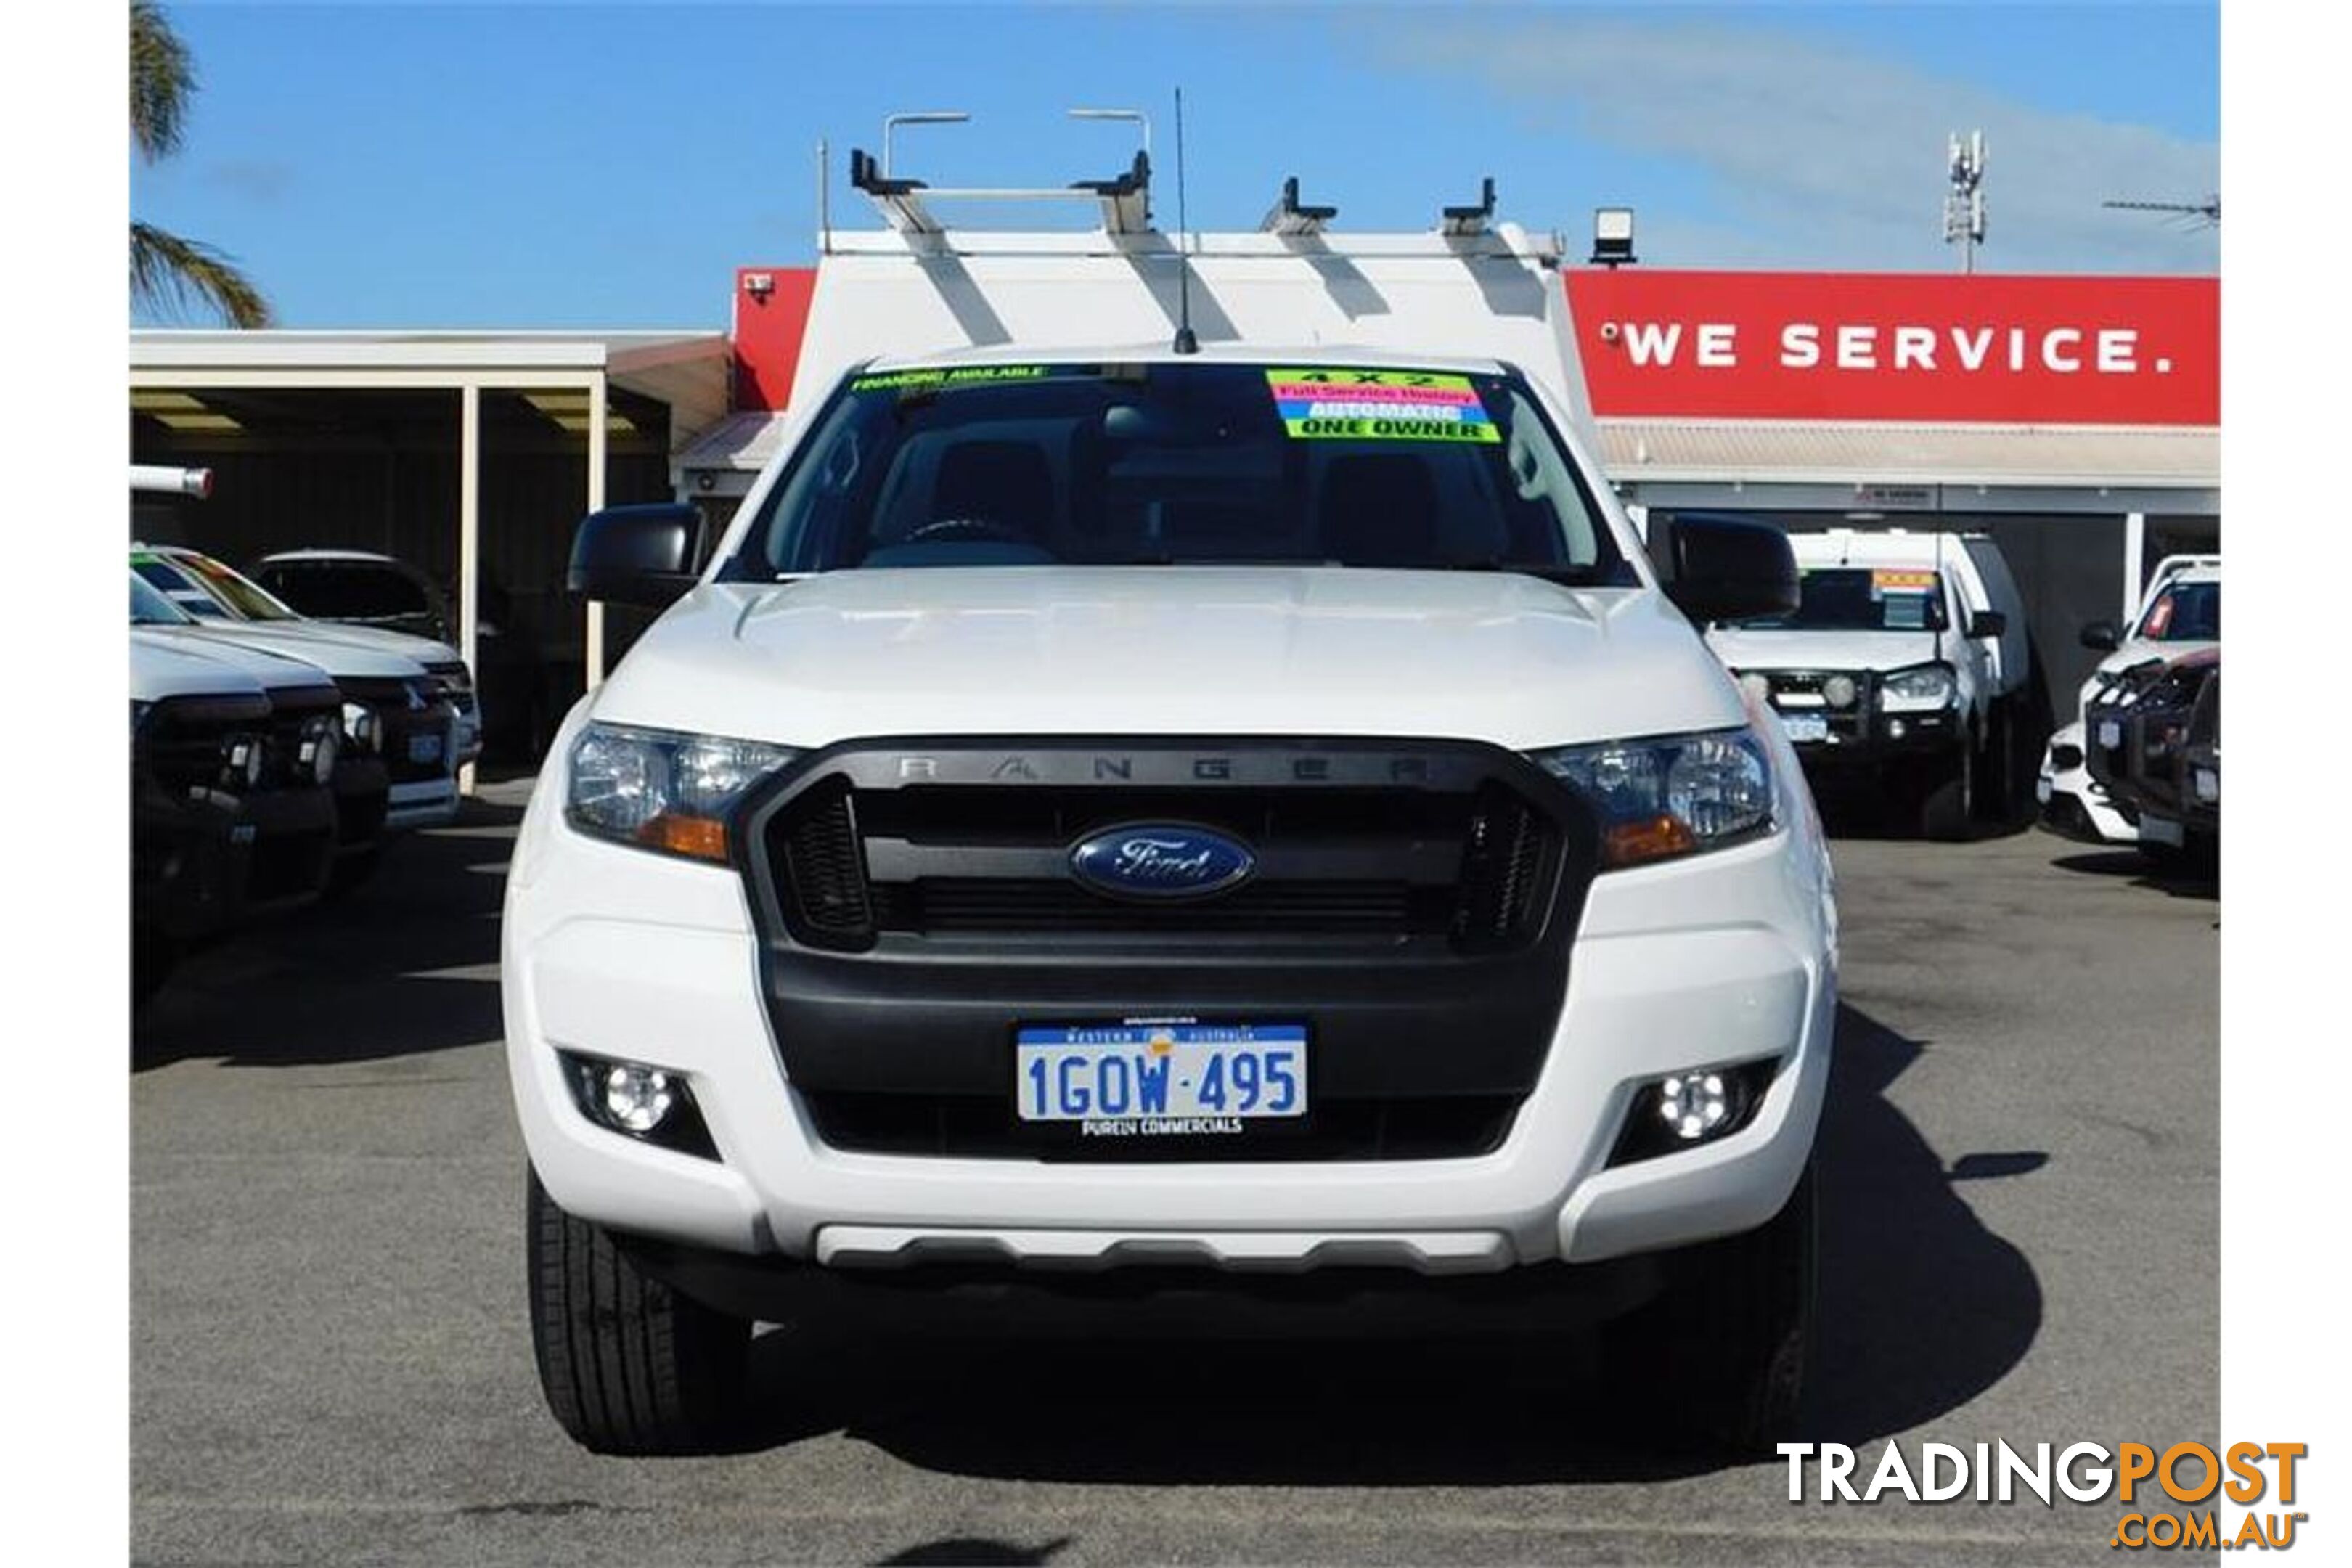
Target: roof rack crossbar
[(1287, 217), (1124, 199), (1466, 223)]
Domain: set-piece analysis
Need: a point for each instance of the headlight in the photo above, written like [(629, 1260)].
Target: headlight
[(317, 755), (358, 726), (1918, 689), (139, 711), (1674, 795), (662, 791)]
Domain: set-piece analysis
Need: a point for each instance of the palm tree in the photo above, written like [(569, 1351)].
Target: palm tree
[(168, 272)]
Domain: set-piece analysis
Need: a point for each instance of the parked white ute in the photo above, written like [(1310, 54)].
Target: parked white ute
[(1906, 663), (2180, 614), (1213, 814)]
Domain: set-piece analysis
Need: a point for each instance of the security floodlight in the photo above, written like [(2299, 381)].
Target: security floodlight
[(1613, 235)]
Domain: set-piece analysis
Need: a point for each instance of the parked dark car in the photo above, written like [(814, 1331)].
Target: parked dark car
[(527, 672)]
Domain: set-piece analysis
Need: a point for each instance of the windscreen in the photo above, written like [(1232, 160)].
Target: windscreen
[(149, 608), (1181, 463), (179, 586), (353, 591), (1862, 599), (244, 598), (2185, 612)]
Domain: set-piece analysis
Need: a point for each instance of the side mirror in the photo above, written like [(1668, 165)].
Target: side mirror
[(1987, 623), (1725, 568), (2100, 637), (636, 555)]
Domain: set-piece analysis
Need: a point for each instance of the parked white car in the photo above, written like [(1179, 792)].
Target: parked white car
[(1906, 662), (1244, 811), (2180, 614)]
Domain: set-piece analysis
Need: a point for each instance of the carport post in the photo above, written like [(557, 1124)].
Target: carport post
[(595, 672), (2134, 559), (469, 537)]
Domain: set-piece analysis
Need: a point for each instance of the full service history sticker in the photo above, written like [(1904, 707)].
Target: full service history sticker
[(1380, 406)]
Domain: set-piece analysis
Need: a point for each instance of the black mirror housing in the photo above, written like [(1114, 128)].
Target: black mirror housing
[(1720, 568), (2101, 637), (647, 555), (1987, 623)]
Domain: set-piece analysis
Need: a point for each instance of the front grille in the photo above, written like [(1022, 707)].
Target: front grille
[(187, 742), (1467, 867), (1437, 1127), (1413, 905), (1849, 722), (823, 869)]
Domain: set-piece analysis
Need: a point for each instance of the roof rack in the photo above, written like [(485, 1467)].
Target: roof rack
[(1287, 217), (1124, 199), (1468, 223)]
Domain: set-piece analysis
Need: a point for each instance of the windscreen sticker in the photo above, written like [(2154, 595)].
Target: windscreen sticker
[(1379, 406), (961, 375), (1902, 582)]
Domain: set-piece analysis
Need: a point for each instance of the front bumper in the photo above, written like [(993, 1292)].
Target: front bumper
[(1722, 958)]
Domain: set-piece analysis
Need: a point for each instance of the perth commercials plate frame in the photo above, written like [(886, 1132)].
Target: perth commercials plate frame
[(1160, 1077)]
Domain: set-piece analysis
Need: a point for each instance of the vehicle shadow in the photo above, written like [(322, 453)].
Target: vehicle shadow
[(1921, 1308), (405, 965), (2187, 879)]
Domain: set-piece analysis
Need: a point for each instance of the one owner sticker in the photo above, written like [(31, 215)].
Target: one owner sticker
[(1379, 406)]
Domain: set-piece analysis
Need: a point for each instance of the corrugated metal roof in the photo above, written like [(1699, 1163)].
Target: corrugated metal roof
[(1797, 451)]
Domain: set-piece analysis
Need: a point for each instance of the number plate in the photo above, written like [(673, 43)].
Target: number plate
[(1806, 726), (424, 748), (2111, 733), (1160, 1079)]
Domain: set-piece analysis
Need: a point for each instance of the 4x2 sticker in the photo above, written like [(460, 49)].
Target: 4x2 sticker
[(1338, 405)]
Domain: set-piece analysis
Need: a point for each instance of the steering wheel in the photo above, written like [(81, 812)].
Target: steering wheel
[(966, 528)]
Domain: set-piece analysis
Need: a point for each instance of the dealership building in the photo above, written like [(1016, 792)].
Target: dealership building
[(2074, 418)]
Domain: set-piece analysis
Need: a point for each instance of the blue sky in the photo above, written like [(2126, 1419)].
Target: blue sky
[(573, 165)]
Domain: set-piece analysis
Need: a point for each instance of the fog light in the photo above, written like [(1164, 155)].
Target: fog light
[(1839, 691), (1896, 729), (1756, 685), (1697, 1105), (654, 1105), (636, 1099), (1694, 1106)]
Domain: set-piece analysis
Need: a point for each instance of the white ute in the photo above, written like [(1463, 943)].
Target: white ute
[(1906, 662), (1105, 818)]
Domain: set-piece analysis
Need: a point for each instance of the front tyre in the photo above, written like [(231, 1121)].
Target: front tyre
[(1736, 1330), (628, 1365)]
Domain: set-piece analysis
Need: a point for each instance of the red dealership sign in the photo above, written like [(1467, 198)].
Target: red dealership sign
[(1900, 346), (1798, 345)]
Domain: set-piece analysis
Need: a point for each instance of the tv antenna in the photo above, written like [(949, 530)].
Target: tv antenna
[(1964, 204), (2206, 214)]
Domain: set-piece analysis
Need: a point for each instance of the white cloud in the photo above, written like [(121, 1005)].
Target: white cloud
[(1820, 153)]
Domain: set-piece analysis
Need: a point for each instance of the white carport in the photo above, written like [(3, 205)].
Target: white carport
[(573, 374)]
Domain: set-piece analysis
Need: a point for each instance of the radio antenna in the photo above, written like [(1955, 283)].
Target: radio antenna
[(1186, 343)]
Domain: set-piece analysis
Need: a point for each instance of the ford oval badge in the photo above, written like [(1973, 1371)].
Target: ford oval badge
[(1161, 861)]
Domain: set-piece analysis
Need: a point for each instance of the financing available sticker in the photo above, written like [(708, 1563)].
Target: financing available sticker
[(959, 375), (1338, 404)]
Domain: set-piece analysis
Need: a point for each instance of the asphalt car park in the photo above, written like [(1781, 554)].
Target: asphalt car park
[(330, 1356)]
